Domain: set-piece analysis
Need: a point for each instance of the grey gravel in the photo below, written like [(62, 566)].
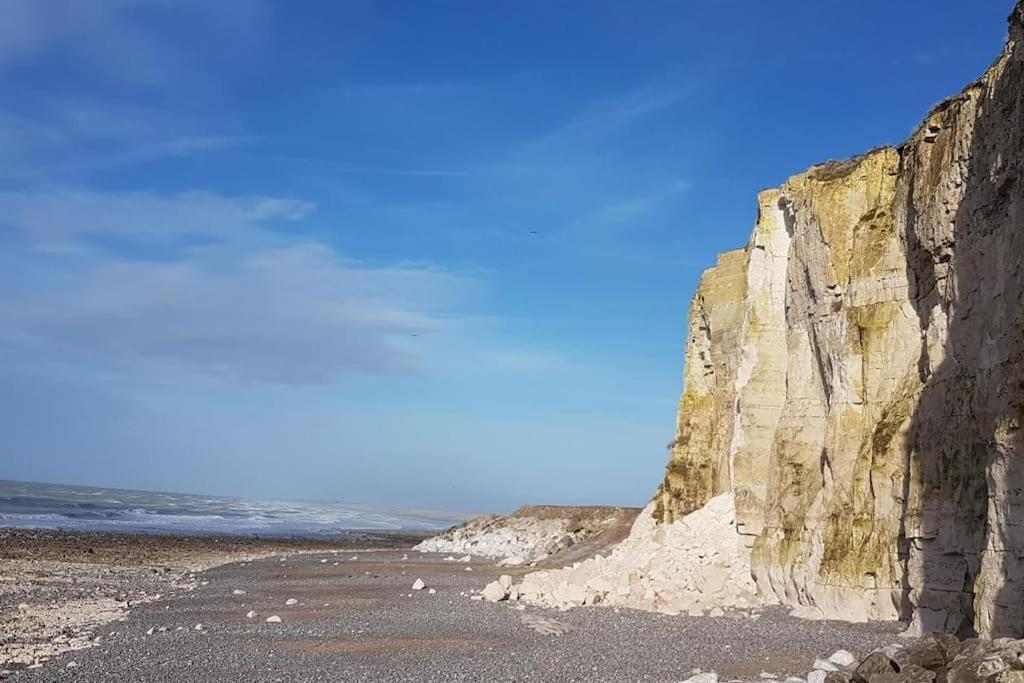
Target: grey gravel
[(372, 631)]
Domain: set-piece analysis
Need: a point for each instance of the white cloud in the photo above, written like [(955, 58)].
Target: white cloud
[(49, 137), (135, 81), (55, 218), (115, 39), (249, 308)]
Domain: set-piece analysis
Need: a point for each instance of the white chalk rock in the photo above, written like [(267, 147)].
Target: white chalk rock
[(571, 594), (291, 601), (495, 592), (708, 677), (251, 614), (842, 658), (824, 665), (817, 676), (274, 619), (418, 585), (601, 585)]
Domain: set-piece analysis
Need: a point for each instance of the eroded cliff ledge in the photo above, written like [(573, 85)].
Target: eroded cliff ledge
[(855, 376)]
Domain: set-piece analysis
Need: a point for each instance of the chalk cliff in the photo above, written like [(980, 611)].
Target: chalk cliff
[(855, 376), (854, 389)]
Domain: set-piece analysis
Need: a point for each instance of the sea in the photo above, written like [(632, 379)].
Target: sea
[(86, 508)]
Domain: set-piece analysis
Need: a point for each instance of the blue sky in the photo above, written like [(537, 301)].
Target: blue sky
[(425, 254)]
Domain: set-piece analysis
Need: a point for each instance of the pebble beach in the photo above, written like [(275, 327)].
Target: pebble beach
[(350, 613)]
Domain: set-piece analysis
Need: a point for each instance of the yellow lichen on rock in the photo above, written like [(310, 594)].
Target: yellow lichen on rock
[(698, 466)]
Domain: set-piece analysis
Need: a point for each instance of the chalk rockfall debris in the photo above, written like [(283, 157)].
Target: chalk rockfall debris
[(688, 566), (531, 534)]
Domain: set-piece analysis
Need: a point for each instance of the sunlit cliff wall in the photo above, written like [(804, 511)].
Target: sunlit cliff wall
[(855, 376)]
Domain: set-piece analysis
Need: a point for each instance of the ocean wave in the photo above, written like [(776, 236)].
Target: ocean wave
[(78, 508)]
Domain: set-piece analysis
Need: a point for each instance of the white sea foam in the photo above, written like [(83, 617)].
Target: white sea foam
[(49, 506)]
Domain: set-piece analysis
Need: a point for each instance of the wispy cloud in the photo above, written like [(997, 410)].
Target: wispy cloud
[(585, 174), (928, 57), (298, 315), (340, 166), (130, 89), (52, 138), (364, 170), (113, 39), (245, 309), (631, 211), (61, 217), (605, 118)]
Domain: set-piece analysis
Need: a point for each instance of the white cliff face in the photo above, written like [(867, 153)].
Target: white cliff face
[(760, 388), (854, 387)]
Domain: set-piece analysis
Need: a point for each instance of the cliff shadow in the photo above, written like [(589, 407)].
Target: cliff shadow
[(962, 539)]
